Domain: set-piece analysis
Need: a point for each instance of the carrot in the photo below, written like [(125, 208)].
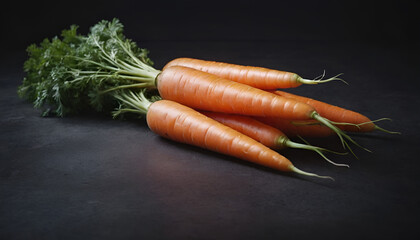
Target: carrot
[(105, 61), (355, 122), (204, 91), (295, 128), (259, 77), (263, 133), (183, 124)]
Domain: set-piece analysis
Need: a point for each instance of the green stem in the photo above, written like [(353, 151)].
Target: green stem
[(137, 85), (137, 102), (105, 56), (148, 80), (138, 70), (111, 68), (128, 50), (118, 66), (126, 110), (102, 74)]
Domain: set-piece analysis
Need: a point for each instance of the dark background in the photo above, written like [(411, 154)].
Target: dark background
[(91, 177), (374, 22)]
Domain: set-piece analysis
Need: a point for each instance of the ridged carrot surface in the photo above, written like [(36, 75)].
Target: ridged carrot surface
[(334, 113), (258, 77), (308, 129), (204, 91), (263, 133), (183, 124)]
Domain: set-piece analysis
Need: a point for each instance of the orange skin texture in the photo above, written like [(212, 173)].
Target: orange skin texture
[(291, 130), (183, 124), (253, 128), (334, 113), (204, 91), (258, 77)]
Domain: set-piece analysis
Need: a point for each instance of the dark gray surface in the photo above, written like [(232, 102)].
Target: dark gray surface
[(91, 177), (94, 177)]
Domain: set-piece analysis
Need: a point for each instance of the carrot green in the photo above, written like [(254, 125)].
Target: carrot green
[(76, 73)]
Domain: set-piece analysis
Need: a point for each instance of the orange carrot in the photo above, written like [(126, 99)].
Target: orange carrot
[(204, 91), (183, 124), (263, 133), (358, 122), (295, 128), (259, 77)]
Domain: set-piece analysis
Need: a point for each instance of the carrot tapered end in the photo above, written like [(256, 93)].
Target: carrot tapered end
[(298, 171), (320, 79), (387, 131)]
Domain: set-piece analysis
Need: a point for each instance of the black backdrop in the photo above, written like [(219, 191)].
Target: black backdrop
[(89, 177), (393, 22)]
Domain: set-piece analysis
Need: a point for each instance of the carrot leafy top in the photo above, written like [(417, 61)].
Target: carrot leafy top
[(77, 73)]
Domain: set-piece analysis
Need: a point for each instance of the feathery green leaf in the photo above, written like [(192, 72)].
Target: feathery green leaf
[(71, 74)]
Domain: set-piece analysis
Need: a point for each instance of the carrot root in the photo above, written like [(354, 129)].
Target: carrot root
[(307, 146), (379, 128), (376, 127), (323, 149), (374, 121), (298, 171), (320, 79), (339, 133), (387, 131), (359, 124), (320, 151)]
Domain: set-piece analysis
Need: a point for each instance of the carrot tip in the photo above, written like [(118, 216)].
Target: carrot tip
[(374, 121), (318, 150), (320, 79), (387, 131), (379, 128), (339, 133), (298, 171)]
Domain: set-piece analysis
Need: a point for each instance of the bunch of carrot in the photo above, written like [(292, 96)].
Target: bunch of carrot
[(231, 109), (236, 110)]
